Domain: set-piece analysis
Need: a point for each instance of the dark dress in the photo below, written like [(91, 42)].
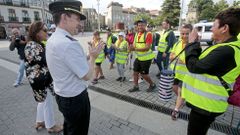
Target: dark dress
[(37, 71)]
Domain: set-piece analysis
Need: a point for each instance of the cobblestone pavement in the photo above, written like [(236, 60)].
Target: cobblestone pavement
[(122, 88), (18, 111)]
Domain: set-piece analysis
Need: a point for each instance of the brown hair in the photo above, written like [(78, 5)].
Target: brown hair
[(34, 28), (188, 26), (230, 17)]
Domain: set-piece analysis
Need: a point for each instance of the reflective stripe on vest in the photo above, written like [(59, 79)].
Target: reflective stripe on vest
[(205, 91), (180, 69), (139, 44), (121, 56), (162, 45)]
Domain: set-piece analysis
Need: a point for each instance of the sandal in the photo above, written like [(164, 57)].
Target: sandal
[(39, 126), (95, 81), (175, 115), (55, 129), (101, 77)]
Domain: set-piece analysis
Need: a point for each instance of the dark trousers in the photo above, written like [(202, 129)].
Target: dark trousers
[(162, 62), (76, 112), (199, 123)]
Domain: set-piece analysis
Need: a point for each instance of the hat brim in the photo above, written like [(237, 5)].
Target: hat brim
[(82, 17)]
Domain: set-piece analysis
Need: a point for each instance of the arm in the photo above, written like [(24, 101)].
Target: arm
[(171, 40), (218, 62)]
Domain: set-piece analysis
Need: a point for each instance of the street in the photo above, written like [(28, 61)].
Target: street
[(109, 115)]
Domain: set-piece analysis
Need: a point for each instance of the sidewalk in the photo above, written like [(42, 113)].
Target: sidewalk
[(109, 116), (109, 84)]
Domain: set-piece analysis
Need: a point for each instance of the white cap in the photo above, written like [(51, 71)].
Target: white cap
[(53, 26), (121, 34)]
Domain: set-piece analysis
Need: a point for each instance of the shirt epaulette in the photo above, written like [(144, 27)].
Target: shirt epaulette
[(72, 39)]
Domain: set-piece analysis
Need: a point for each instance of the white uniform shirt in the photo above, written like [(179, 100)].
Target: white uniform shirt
[(67, 64)]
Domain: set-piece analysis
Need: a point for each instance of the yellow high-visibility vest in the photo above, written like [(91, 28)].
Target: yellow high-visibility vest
[(121, 56), (205, 91), (180, 69), (163, 43), (141, 43)]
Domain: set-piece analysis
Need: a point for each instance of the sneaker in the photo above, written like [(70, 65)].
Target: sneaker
[(131, 80), (95, 81), (123, 79), (174, 115), (119, 78), (16, 84), (135, 88), (101, 77), (151, 87)]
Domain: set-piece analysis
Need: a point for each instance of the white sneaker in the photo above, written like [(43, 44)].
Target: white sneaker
[(140, 80)]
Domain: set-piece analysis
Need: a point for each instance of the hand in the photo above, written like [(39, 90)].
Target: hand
[(94, 52), (164, 55), (193, 36), (13, 38), (131, 48)]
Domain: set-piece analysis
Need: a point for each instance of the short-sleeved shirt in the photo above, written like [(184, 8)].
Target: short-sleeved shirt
[(149, 38), (67, 64)]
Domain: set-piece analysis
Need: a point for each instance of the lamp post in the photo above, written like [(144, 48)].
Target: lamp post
[(180, 17), (98, 15)]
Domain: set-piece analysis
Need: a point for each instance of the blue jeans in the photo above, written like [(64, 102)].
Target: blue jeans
[(162, 62), (20, 72)]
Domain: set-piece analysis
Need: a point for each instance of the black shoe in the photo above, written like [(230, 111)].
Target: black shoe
[(123, 79), (119, 78), (151, 87), (135, 88)]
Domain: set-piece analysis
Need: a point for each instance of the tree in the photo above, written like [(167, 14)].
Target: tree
[(236, 4), (220, 6), (171, 11), (143, 16), (204, 9)]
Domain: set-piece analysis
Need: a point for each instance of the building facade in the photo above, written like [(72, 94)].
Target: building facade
[(20, 14)]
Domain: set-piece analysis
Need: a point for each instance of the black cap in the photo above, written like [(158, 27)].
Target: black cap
[(140, 21), (71, 6)]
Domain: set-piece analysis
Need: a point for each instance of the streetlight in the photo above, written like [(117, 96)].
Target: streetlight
[(181, 12), (98, 15)]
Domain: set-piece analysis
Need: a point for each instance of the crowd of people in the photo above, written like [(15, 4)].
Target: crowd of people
[(57, 66)]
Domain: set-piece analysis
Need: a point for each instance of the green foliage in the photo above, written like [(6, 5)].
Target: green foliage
[(220, 6), (236, 4), (142, 16), (171, 11)]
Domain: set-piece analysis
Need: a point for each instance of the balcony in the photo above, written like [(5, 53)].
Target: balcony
[(1, 19), (13, 19), (15, 3), (26, 19)]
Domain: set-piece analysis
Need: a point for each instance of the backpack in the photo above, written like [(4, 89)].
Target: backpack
[(234, 96)]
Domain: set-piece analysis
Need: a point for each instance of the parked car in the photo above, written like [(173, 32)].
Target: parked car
[(204, 31)]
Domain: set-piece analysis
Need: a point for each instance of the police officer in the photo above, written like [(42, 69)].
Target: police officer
[(202, 89), (144, 55), (69, 67), (166, 42)]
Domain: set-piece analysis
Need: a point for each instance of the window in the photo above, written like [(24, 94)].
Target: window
[(36, 16), (11, 13), (25, 13), (208, 28)]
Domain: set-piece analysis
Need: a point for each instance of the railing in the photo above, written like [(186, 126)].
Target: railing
[(13, 19), (26, 19)]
